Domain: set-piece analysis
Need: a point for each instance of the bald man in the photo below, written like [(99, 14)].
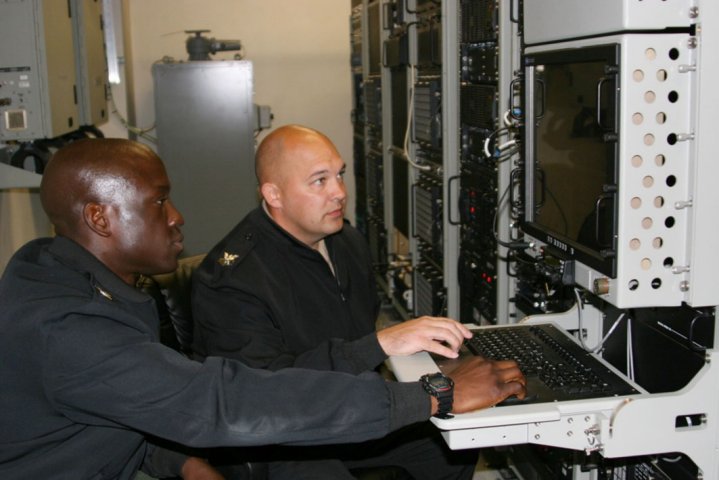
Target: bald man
[(292, 286), (87, 389)]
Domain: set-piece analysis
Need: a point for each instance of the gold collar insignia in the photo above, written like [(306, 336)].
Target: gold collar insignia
[(228, 259), (104, 293)]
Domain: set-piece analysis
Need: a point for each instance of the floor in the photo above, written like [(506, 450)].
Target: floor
[(486, 472)]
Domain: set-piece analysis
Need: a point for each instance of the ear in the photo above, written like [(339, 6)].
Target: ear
[(96, 219), (272, 194)]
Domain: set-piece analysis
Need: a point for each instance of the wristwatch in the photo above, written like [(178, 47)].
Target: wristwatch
[(442, 388)]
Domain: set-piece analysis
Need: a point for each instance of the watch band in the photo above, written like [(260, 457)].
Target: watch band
[(442, 388)]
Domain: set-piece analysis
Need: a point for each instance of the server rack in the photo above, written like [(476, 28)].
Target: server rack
[(452, 70), (421, 103)]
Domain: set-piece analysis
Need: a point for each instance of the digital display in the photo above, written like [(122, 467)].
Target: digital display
[(571, 146)]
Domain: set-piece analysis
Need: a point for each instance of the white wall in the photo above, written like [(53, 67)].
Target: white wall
[(300, 55), (299, 50)]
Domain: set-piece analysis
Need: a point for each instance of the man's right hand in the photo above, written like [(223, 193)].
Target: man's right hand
[(480, 383), (439, 335)]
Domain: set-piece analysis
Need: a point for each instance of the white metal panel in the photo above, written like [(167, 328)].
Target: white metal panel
[(703, 256), (13, 177), (487, 437), (555, 20)]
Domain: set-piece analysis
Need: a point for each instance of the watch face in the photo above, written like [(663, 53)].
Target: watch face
[(440, 382), (440, 387)]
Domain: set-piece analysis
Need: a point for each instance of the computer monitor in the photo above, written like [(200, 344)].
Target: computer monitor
[(570, 168)]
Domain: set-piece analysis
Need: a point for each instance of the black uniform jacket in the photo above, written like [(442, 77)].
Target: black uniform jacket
[(82, 377), (263, 297)]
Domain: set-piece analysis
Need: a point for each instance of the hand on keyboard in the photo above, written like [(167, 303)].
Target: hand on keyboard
[(480, 383), (439, 335)]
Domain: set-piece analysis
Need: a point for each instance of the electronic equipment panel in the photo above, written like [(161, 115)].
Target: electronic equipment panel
[(38, 87), (575, 105), (373, 29), (611, 114), (427, 113), (429, 290)]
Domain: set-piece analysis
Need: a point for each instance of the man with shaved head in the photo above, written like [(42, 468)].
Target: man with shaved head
[(87, 390), (292, 286)]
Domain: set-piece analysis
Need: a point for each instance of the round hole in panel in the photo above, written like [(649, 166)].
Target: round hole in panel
[(661, 118), (648, 139), (637, 118), (669, 262), (662, 75), (658, 242), (650, 53), (633, 284), (660, 160), (673, 96), (635, 244), (669, 222), (672, 138), (659, 202), (673, 53), (650, 96), (637, 161), (671, 181), (638, 75), (646, 264), (656, 283), (648, 181), (636, 202), (647, 223)]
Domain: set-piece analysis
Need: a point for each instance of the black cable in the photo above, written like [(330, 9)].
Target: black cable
[(510, 245)]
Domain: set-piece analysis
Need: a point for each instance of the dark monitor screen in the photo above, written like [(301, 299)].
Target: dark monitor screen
[(571, 153)]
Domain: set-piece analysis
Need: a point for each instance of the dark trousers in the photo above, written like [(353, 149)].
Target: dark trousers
[(419, 449)]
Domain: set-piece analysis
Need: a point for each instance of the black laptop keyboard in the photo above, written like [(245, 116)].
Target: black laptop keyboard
[(556, 367)]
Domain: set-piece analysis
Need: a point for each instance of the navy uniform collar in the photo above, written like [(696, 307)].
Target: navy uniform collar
[(75, 256), (303, 247)]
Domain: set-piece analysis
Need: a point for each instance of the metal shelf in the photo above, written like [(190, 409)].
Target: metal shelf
[(14, 177)]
